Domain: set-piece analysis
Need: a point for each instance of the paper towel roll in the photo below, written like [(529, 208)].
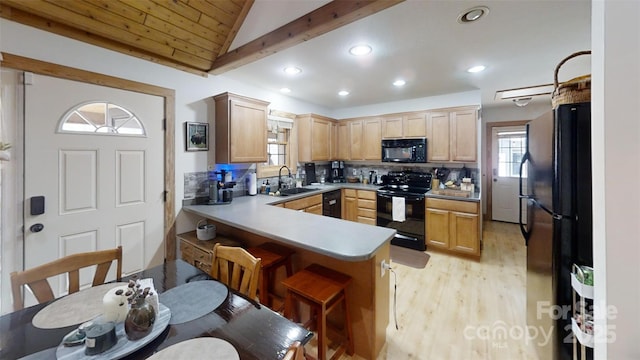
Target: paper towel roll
[(253, 184)]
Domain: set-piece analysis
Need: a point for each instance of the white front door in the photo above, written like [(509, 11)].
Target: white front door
[(100, 190), (508, 147)]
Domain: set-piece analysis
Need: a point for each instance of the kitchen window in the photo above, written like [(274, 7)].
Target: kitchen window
[(278, 147)]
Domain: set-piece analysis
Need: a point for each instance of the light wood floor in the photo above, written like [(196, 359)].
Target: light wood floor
[(451, 308)]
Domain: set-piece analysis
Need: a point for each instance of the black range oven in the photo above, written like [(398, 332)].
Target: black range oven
[(401, 207)]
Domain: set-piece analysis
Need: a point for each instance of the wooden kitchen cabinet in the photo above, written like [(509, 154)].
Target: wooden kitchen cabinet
[(200, 253), (453, 225), (392, 127), (314, 137), (364, 137), (408, 125), (311, 204), (438, 136), (240, 129), (344, 146), (415, 124), (359, 206), (452, 135), (371, 139), (464, 135), (333, 142), (350, 205), (355, 139)]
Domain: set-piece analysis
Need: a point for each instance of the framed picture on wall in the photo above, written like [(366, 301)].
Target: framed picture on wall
[(197, 136)]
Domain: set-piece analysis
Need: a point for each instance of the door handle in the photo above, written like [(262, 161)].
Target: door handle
[(35, 228)]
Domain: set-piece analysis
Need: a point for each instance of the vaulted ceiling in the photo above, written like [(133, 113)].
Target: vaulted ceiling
[(191, 35)]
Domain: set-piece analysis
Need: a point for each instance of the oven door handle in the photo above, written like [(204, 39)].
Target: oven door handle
[(406, 198)]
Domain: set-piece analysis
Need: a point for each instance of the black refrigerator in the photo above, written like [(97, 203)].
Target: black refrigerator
[(557, 227)]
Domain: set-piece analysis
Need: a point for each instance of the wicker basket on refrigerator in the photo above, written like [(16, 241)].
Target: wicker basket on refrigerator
[(577, 90)]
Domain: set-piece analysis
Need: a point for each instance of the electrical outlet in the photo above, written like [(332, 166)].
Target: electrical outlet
[(383, 267)]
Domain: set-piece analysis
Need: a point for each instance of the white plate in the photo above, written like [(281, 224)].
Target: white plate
[(214, 348)]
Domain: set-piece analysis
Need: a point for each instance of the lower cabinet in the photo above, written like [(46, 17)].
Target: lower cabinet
[(200, 253), (359, 206), (310, 204), (453, 225)]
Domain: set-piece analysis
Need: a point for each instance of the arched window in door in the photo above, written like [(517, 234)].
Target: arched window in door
[(102, 118)]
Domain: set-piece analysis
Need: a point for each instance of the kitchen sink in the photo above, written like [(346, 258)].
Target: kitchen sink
[(294, 191)]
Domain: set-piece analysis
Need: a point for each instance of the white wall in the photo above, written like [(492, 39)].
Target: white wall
[(616, 169)]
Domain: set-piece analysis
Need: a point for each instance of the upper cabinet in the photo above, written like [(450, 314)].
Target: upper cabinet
[(344, 150), (392, 126), (452, 135), (408, 125), (464, 135), (355, 139), (415, 124), (438, 136), (241, 129), (371, 139), (362, 139), (314, 137)]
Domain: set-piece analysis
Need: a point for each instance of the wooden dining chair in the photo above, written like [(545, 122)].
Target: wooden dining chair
[(36, 278), (236, 268), (295, 352)]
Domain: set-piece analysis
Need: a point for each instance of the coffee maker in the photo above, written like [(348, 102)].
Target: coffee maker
[(220, 191), (337, 171)]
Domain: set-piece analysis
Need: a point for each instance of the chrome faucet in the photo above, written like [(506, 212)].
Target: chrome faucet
[(280, 175)]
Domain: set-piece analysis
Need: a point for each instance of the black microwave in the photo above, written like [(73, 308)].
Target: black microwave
[(405, 150)]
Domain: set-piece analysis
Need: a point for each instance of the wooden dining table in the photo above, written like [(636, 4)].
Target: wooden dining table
[(255, 331)]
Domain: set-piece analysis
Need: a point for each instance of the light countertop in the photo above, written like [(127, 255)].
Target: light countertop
[(340, 239), (474, 197)]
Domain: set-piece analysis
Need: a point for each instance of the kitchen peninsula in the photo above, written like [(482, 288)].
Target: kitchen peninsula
[(352, 248)]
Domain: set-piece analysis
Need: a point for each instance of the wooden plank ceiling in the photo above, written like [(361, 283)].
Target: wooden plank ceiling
[(191, 35)]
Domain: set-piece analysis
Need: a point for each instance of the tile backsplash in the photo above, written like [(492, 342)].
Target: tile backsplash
[(196, 184)]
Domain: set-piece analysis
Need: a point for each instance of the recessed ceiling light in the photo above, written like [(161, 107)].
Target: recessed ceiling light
[(476, 69), (360, 50), (343, 93), (285, 90), (292, 70), (473, 14), (399, 83)]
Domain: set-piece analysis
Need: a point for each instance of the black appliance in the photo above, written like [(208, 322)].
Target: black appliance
[(337, 172), (400, 206), (331, 203), (220, 192), (405, 150), (558, 230)]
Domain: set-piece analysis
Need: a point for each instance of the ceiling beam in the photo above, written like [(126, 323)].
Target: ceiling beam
[(320, 21)]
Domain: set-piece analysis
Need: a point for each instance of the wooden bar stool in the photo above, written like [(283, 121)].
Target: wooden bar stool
[(273, 257), (322, 289)]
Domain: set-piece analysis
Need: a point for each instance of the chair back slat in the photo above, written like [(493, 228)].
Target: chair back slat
[(241, 265), (41, 290), (36, 278)]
